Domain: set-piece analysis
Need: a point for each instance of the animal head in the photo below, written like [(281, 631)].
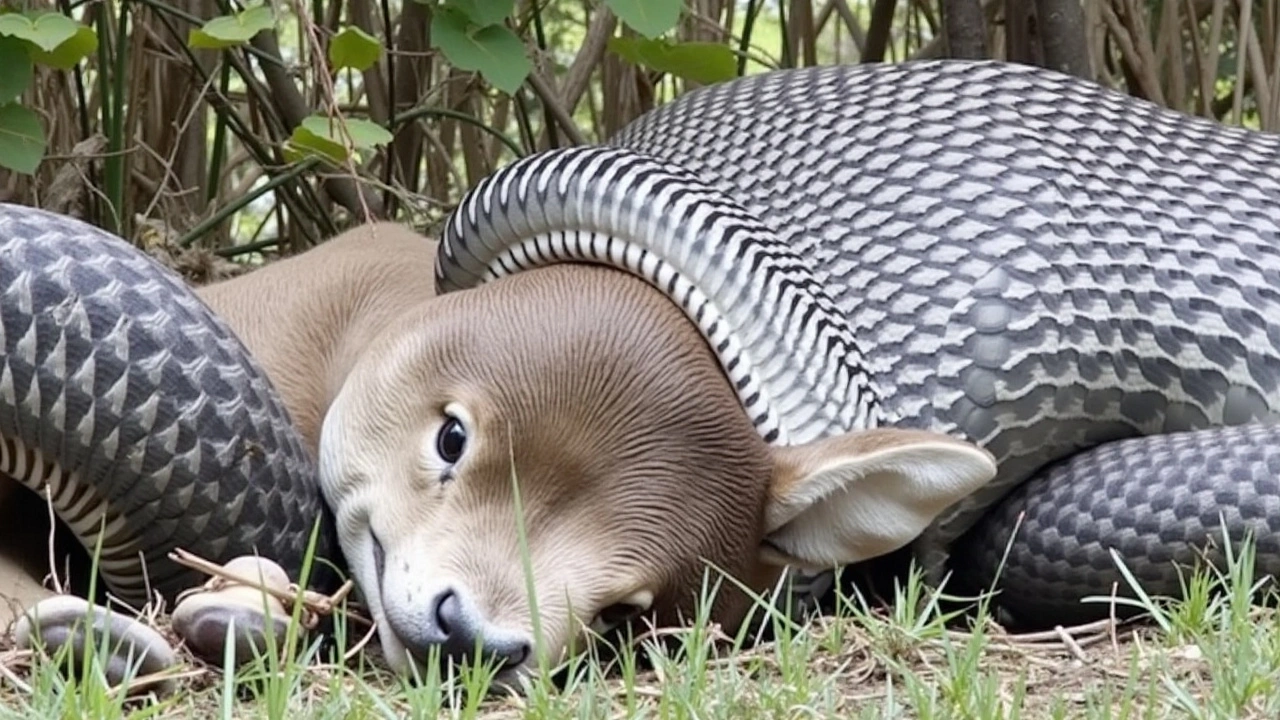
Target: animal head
[(588, 397)]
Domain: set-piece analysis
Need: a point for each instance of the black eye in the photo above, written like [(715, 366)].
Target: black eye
[(615, 616), (451, 440)]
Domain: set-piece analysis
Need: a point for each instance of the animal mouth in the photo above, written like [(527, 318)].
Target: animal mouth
[(379, 558), (375, 592), (514, 665)]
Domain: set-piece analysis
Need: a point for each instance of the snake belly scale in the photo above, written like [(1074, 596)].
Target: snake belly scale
[(1085, 284)]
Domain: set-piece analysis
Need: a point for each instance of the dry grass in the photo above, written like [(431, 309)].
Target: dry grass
[(1214, 654)]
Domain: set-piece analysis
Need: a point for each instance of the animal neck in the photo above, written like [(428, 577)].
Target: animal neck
[(306, 319)]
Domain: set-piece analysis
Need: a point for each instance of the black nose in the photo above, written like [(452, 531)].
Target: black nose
[(461, 632), (449, 613)]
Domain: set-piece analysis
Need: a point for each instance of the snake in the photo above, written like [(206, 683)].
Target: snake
[(1082, 282), (141, 417)]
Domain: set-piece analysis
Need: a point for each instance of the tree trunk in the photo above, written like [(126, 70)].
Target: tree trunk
[(1062, 37), (966, 29), (878, 30)]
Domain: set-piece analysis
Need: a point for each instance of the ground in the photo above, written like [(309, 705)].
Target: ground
[(1212, 655), (1215, 654)]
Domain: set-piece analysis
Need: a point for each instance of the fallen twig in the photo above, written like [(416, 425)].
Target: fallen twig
[(316, 604)]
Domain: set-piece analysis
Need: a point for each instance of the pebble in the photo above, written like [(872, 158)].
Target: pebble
[(205, 618), (137, 649)]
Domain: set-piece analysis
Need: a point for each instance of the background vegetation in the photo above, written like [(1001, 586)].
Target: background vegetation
[(212, 126), (205, 130)]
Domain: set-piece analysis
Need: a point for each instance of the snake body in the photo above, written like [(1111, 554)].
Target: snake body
[(1083, 283), (140, 412)]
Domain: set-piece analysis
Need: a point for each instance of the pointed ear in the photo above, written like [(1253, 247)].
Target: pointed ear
[(862, 494)]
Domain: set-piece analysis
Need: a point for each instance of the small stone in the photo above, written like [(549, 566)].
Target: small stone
[(136, 648), (1188, 652), (204, 619)]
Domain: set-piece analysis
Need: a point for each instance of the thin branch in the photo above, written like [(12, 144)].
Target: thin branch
[(548, 97), (345, 190), (578, 78), (841, 7), (1134, 52)]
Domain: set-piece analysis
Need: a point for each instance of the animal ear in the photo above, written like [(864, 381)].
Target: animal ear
[(862, 494)]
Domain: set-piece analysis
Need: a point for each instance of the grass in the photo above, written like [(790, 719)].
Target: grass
[(1214, 654)]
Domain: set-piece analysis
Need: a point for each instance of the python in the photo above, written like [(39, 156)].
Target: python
[(801, 319)]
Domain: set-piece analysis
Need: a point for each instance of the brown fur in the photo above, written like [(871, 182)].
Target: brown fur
[(636, 465), (307, 318), (635, 459)]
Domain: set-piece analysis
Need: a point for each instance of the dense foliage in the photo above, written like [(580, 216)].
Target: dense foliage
[(246, 127)]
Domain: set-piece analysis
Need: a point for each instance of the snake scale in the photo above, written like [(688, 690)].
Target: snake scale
[(1083, 283), (141, 413)]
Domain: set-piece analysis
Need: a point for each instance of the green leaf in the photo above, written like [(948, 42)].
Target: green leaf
[(47, 31), (17, 74), (483, 13), (232, 30), (354, 48), (650, 18), (302, 142), (495, 51), (319, 135), (74, 49), (22, 141), (364, 134), (701, 62)]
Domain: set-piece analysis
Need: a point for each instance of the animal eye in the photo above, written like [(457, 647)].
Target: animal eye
[(615, 616), (451, 441)]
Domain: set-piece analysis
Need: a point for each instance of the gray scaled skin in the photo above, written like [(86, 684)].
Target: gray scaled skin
[(995, 251), (142, 413)]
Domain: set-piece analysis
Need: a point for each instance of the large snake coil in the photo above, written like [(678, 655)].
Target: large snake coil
[(140, 415), (1083, 283), (1086, 284)]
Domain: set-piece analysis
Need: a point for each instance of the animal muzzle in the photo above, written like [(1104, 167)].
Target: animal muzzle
[(450, 625)]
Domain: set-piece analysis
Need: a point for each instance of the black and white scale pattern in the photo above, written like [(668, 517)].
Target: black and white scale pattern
[(997, 251), (140, 412), (1165, 506)]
